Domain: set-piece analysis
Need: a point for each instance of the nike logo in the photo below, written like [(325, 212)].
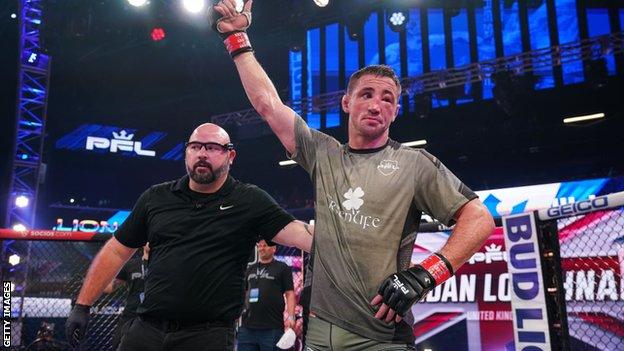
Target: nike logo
[(222, 208)]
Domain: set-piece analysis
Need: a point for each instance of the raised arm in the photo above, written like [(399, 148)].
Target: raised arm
[(265, 100), (258, 87)]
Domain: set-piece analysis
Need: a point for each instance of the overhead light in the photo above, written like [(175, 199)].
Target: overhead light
[(583, 118), (321, 3), (137, 3), (21, 201), (13, 16), (19, 227), (415, 143), (287, 163), (397, 19), (14, 259), (158, 34), (193, 6)]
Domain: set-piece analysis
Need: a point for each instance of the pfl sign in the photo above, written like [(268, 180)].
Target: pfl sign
[(121, 141)]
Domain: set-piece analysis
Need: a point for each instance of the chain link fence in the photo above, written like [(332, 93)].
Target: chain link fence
[(47, 280), (45, 284), (592, 262)]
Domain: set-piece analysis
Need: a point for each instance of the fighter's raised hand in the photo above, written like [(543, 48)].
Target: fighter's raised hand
[(231, 16)]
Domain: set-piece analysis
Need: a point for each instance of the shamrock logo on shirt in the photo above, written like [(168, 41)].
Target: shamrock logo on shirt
[(353, 199)]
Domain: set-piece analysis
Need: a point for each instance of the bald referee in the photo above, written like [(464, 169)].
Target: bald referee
[(202, 229)]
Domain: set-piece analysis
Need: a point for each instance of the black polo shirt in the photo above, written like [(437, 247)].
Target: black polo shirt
[(132, 274), (199, 246)]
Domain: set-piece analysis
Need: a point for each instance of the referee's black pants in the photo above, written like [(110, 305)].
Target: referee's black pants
[(149, 335)]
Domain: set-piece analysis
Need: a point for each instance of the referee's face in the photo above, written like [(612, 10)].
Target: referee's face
[(206, 156)]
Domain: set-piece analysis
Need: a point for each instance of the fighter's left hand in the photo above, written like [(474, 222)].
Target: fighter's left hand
[(400, 291)]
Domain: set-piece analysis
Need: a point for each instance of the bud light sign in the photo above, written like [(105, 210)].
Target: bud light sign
[(528, 302)]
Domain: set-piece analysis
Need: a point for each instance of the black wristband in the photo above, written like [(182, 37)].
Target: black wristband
[(446, 262)]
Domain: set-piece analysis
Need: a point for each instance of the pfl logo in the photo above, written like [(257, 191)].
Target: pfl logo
[(399, 285), (121, 141)]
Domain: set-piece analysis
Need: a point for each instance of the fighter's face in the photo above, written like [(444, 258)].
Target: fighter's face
[(372, 105)]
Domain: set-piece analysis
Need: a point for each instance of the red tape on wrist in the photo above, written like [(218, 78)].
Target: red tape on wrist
[(237, 41), (437, 267)]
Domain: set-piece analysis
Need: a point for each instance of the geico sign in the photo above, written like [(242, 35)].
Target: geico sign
[(578, 207), (121, 141)]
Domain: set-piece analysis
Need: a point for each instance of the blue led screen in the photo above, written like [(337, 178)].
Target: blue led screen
[(392, 49), (414, 44), (598, 24), (351, 54), (510, 18), (295, 76), (461, 47), (371, 40), (486, 48), (540, 38), (437, 51), (332, 117), (314, 73), (567, 27)]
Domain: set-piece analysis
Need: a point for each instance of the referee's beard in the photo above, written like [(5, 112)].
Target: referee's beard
[(210, 175)]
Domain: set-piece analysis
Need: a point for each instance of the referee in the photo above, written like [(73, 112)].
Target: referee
[(201, 229)]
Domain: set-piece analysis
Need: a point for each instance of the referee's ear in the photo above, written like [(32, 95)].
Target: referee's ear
[(232, 156)]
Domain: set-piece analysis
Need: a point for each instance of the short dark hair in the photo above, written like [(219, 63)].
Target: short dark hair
[(375, 70)]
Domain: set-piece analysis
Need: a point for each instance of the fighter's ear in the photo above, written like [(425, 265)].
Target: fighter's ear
[(396, 113), (345, 102)]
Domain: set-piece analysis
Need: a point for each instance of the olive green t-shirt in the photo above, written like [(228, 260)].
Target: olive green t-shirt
[(368, 206)]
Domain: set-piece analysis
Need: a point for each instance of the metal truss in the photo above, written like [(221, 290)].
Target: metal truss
[(32, 93), (520, 64), (31, 106)]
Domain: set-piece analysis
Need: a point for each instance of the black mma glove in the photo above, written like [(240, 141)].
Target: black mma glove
[(401, 290), (236, 41), (76, 325)]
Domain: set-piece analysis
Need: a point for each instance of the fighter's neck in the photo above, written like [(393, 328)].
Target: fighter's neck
[(359, 142)]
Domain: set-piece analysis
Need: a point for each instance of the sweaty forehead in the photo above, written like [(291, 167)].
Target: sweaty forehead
[(374, 82)]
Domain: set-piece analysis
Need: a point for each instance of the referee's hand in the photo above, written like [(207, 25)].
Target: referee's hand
[(76, 325)]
